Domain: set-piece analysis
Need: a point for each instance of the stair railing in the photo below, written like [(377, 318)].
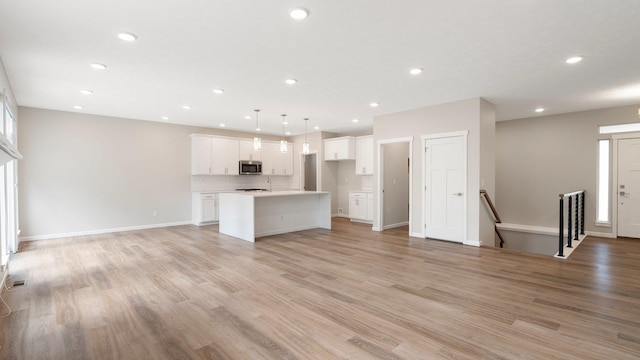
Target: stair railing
[(575, 219), (496, 217)]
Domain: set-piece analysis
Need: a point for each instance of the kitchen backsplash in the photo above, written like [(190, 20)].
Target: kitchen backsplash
[(367, 182), (202, 183)]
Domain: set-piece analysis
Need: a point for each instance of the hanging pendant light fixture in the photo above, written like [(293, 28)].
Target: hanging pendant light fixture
[(283, 142), (257, 141), (305, 145)]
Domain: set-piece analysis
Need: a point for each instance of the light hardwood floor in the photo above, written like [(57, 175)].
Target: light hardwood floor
[(348, 293)]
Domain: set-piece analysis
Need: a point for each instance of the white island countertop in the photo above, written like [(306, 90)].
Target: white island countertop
[(252, 214)]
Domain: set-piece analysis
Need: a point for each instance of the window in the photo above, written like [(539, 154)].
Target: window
[(602, 216), (622, 128)]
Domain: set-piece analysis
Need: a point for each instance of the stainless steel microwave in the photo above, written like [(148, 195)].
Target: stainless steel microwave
[(250, 167)]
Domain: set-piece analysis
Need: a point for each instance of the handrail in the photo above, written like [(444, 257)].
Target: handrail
[(497, 220), (577, 219)]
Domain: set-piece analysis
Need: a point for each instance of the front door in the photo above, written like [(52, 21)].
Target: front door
[(445, 188), (629, 187)]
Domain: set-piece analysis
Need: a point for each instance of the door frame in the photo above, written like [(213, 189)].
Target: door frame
[(614, 183), (379, 201), (301, 171), (465, 135)]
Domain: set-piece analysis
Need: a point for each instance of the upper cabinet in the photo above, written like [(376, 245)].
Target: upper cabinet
[(274, 162), (340, 148), (364, 155), (247, 152), (214, 156)]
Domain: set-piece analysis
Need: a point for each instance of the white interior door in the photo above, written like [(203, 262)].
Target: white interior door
[(629, 188), (445, 188)]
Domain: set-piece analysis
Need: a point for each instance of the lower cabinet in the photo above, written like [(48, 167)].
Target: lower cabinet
[(361, 206), (204, 208)]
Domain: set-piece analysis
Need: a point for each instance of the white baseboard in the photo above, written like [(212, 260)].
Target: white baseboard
[(375, 228), (5, 276), (417, 234), (543, 230), (600, 234), (476, 243), (103, 231), (391, 226)]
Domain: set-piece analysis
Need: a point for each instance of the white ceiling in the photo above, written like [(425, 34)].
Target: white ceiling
[(345, 55)]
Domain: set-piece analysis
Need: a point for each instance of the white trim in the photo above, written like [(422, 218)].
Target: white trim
[(475, 243), (600, 234), (614, 182), (5, 277), (465, 135), (391, 226), (417, 234), (531, 229), (103, 231), (380, 172), (603, 224), (445, 135)]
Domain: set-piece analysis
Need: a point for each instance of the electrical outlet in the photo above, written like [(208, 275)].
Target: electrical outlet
[(281, 217), (155, 213)]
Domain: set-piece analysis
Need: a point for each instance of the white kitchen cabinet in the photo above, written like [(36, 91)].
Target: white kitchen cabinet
[(361, 206), (340, 148), (225, 156), (271, 159), (204, 208), (213, 155), (201, 155), (247, 152), (287, 161), (364, 155), (274, 162)]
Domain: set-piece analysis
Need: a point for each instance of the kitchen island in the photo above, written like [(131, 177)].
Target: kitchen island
[(249, 215)]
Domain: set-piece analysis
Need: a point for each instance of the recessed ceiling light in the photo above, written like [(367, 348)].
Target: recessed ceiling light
[(125, 36), (316, 128), (539, 110), (258, 129), (98, 66), (285, 123), (299, 13), (186, 107), (247, 117), (374, 104), (218, 91), (574, 59), (165, 118), (223, 125), (355, 120), (415, 71), (86, 92), (288, 133), (291, 81), (78, 107)]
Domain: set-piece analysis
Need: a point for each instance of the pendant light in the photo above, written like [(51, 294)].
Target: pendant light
[(257, 141), (283, 142), (305, 145)]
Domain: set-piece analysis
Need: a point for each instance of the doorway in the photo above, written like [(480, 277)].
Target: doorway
[(395, 185), (628, 187), (445, 180), (398, 166), (310, 172)]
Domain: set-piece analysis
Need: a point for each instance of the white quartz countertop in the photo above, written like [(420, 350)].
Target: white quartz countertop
[(275, 193)]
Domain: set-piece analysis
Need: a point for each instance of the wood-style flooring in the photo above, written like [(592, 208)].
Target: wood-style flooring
[(349, 293)]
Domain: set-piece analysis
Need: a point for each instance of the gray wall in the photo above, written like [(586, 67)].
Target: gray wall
[(455, 116), (541, 157), (396, 183), (88, 173)]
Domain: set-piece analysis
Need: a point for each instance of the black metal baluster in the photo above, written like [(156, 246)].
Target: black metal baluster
[(577, 213), (569, 220), (582, 217), (561, 233)]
